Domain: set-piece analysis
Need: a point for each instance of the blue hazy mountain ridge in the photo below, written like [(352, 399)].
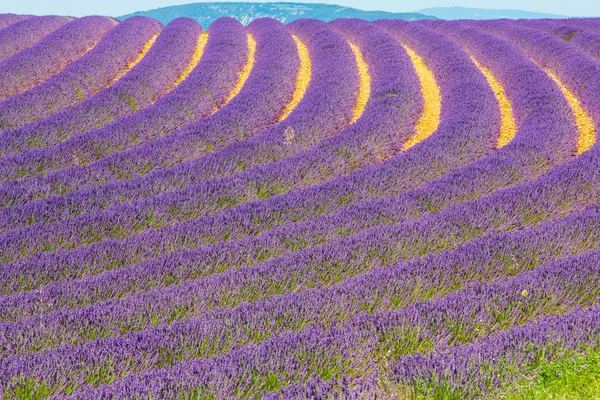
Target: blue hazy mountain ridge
[(454, 13), (206, 13)]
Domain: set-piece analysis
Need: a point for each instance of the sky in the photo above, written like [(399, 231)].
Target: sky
[(120, 7)]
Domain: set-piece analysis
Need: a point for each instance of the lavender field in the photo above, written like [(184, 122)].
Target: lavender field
[(342, 210)]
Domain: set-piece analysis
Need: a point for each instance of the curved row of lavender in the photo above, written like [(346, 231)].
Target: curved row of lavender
[(197, 97), (81, 79), (587, 41), (330, 95), (200, 95), (7, 20), (497, 256), (51, 54), (349, 220), (339, 109), (26, 33), (361, 346), (383, 289), (308, 271), (463, 222), (151, 79), (502, 360), (451, 126)]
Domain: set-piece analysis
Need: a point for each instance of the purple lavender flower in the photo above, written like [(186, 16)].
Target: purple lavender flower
[(26, 32), (85, 76), (51, 54)]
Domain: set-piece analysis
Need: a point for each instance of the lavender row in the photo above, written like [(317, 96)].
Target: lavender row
[(152, 78), (563, 29), (505, 165), (242, 119), (83, 77), (51, 54), (302, 355), (575, 69), (204, 302), (330, 96), (559, 192), (26, 33), (265, 94), (197, 97), (455, 319), (337, 387), (7, 20), (487, 368), (413, 205), (492, 258), (486, 102), (490, 365), (587, 41), (566, 30), (258, 216), (571, 26), (337, 58)]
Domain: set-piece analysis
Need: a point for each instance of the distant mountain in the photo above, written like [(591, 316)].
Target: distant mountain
[(206, 13), (453, 13)]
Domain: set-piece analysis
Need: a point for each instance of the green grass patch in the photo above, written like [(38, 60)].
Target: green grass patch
[(575, 376)]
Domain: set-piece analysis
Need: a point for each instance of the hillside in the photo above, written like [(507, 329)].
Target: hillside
[(206, 13)]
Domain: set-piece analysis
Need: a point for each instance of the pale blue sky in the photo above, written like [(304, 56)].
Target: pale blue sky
[(120, 7)]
